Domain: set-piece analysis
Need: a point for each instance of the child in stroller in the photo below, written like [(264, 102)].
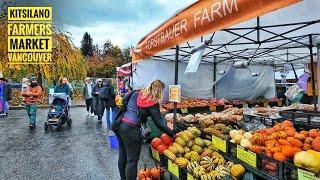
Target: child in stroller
[(59, 111)]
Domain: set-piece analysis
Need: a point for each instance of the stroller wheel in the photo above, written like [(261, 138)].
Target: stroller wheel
[(46, 126), (69, 121)]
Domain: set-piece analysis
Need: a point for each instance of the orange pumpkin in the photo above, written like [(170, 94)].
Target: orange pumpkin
[(144, 173), (301, 137), (275, 149), (269, 131), (308, 140), (296, 150), (269, 154), (284, 142), (306, 147), (273, 136), (287, 151), (314, 133), (258, 139), (257, 149), (282, 134), (316, 144), (279, 156), (290, 132), (305, 133), (277, 127), (295, 142), (287, 123)]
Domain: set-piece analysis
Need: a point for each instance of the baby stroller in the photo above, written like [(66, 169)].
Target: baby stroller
[(59, 111)]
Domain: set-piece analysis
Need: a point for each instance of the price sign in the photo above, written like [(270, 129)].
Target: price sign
[(213, 108), (189, 177), (219, 144), (280, 103), (247, 156), (184, 110), (174, 93), (265, 104), (173, 168), (305, 175), (155, 154)]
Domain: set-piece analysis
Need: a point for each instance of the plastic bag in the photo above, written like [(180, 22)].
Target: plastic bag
[(293, 91)]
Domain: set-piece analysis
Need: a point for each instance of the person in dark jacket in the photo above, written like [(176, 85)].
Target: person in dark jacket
[(146, 103), (99, 95), (87, 95), (110, 103)]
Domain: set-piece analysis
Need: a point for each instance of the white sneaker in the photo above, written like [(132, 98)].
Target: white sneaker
[(88, 113), (92, 115)]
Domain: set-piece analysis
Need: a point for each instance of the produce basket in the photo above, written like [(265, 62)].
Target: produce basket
[(302, 119), (290, 171), (269, 165), (267, 121)]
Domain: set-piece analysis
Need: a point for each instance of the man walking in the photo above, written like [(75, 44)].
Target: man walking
[(87, 95), (6, 95), (32, 97)]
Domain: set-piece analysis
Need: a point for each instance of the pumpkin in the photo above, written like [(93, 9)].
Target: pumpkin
[(247, 135), (284, 142), (316, 144), (258, 139), (237, 170), (290, 132), (287, 151), (156, 172), (295, 142), (270, 131), (166, 139), (273, 136), (308, 140), (144, 173), (296, 149), (279, 156), (145, 178), (277, 127), (305, 133), (233, 133), (282, 134), (238, 138), (314, 133), (287, 123), (161, 148), (301, 137), (269, 154), (306, 146), (155, 143), (257, 149), (275, 149)]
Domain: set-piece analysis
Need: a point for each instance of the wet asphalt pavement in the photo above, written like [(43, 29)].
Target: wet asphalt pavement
[(79, 152)]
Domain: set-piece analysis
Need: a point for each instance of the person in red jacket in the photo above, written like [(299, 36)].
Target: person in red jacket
[(139, 105)]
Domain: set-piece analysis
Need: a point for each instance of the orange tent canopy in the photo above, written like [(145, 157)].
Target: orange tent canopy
[(201, 18)]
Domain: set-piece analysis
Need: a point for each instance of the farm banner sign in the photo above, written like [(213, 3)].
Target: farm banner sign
[(29, 35), (201, 18)]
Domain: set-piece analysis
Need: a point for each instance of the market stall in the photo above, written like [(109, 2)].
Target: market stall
[(245, 142)]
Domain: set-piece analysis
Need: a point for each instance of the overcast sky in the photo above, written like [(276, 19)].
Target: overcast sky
[(124, 22)]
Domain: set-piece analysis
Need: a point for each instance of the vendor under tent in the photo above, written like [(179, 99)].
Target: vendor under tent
[(236, 48), (124, 77)]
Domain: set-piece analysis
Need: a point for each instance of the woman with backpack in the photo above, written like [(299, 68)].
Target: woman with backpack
[(138, 106)]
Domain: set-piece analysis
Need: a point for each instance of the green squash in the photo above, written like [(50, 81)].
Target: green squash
[(249, 176)]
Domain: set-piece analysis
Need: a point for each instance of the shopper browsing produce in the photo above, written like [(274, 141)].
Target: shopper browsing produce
[(146, 103)]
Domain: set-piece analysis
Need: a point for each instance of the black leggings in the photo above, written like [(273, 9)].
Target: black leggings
[(130, 141), (89, 105)]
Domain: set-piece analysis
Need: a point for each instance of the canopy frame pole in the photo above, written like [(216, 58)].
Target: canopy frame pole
[(176, 68), (214, 76), (318, 72), (312, 72), (294, 71)]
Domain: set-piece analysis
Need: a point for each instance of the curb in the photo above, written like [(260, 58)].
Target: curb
[(43, 106)]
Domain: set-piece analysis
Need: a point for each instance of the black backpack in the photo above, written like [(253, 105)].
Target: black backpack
[(118, 119)]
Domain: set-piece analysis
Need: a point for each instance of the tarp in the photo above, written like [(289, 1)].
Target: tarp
[(201, 18), (234, 84), (124, 70)]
